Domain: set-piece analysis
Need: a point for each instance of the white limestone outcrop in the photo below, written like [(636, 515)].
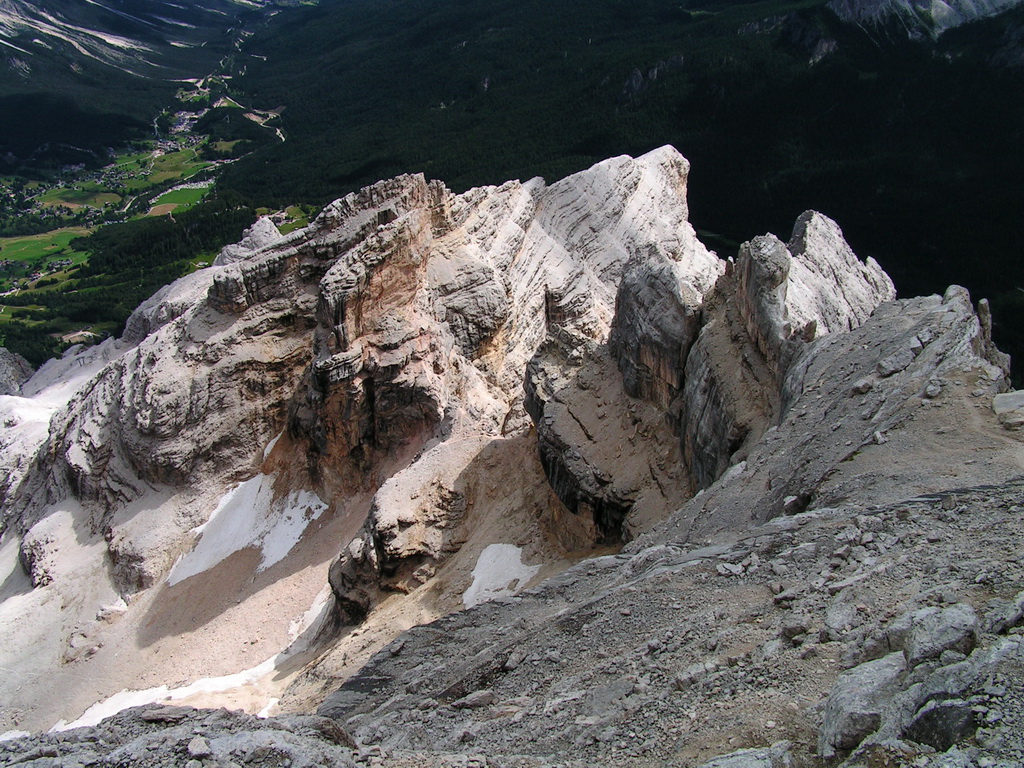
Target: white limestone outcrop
[(716, 361)]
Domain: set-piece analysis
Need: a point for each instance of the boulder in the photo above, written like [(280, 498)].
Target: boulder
[(854, 708), (1009, 409), (1006, 615), (941, 724), (934, 630)]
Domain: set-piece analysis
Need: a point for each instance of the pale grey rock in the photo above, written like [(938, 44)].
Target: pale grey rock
[(584, 488), (855, 705), (152, 415), (816, 389), (725, 412), (1009, 409), (166, 737), (260, 235), (471, 298), (827, 283), (166, 305), (14, 371), (657, 318), (762, 270), (881, 641), (475, 700), (613, 471), (896, 362), (934, 630), (199, 747), (918, 709), (776, 756), (1006, 615), (773, 302)]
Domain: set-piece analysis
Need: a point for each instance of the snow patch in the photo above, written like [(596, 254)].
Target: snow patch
[(126, 699), (249, 516), (301, 508), (499, 571), (268, 711), (270, 445), (209, 685)]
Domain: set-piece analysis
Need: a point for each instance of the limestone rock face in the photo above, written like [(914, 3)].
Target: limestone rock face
[(657, 318), (615, 470), (433, 321), (774, 301), (827, 284), (714, 359), (190, 401), (260, 235), (400, 320), (839, 396), (14, 371)]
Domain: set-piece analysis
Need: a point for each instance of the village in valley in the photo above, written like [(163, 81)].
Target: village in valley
[(45, 219)]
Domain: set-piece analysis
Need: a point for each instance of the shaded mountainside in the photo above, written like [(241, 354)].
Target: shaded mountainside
[(909, 143), (136, 35), (78, 77), (523, 476)]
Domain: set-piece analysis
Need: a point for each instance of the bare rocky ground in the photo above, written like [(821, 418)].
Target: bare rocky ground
[(676, 654)]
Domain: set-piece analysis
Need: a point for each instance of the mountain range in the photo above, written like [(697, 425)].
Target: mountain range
[(917, 18), (523, 476)]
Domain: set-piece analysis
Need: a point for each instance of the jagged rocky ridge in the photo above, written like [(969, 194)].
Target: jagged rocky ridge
[(404, 355), (917, 18)]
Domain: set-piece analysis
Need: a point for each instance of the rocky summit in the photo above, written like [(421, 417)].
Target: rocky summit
[(525, 476)]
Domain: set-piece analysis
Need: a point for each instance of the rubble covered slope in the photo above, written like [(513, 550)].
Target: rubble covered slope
[(561, 486)]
